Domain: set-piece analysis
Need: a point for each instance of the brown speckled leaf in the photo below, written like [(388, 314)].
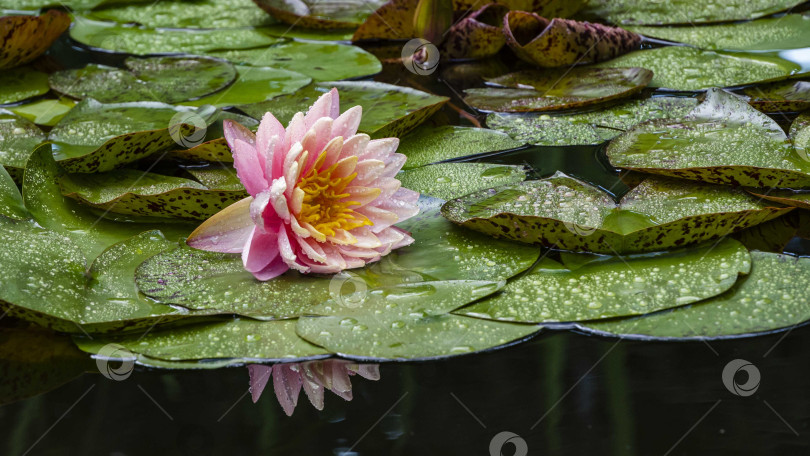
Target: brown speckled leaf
[(477, 36), (545, 8), (391, 21), (780, 96), (24, 38), (215, 150), (563, 42), (565, 213)]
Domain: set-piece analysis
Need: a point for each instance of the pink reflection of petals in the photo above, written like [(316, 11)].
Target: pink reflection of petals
[(312, 376)]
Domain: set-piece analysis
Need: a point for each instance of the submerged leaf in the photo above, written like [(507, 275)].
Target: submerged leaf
[(24, 38), (562, 212), (451, 180), (723, 140), (563, 42), (686, 12), (780, 96), (20, 84), (589, 127), (772, 297), (589, 287), (551, 90), (427, 144)]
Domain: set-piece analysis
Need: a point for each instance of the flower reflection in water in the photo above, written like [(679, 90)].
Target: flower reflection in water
[(313, 376)]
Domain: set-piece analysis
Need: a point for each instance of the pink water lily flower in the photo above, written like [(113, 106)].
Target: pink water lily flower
[(323, 198)]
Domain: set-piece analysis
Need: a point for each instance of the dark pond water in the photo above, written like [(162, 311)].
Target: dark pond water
[(559, 393)]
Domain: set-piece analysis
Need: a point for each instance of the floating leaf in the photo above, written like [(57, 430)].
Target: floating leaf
[(238, 341), (388, 110), (451, 180), (780, 96), (723, 140), (89, 231), (255, 84), (187, 14), (165, 79), (213, 147), (551, 90), (143, 40), (686, 12), (800, 135), (427, 144), (563, 42), (791, 31), (393, 20), (772, 297), (410, 321), (24, 38), (590, 127), (477, 36), (18, 137), (335, 61), (562, 212), (127, 191), (800, 199), (11, 204), (20, 84), (97, 137), (324, 14), (608, 286), (44, 112), (685, 68)]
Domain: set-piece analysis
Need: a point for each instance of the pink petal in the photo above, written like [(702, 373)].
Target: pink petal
[(345, 167), (403, 209), (272, 270), (277, 199), (334, 111), (395, 163), (391, 235), (234, 130), (355, 145), (368, 171), (380, 218), (311, 249), (320, 109), (406, 195), (272, 150), (315, 140), (332, 151), (259, 375), (260, 249), (314, 393), (346, 124), (365, 238), (388, 186), (406, 238), (287, 385), (358, 252), (380, 149), (362, 195), (227, 231), (294, 133), (268, 128), (367, 371), (248, 167), (288, 253)]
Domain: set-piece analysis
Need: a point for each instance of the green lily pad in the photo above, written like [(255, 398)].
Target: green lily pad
[(44, 112), (334, 61), (772, 297), (97, 137), (609, 286), (22, 83), (388, 110), (11, 203), (89, 231), (687, 12), (208, 280), (255, 84), (451, 180), (800, 135), (427, 144), (410, 321), (791, 31), (127, 191), (164, 79), (213, 147), (18, 138), (143, 40), (780, 96), (221, 178), (552, 90), (186, 14), (685, 68), (586, 128), (723, 140), (324, 14), (238, 340), (562, 212)]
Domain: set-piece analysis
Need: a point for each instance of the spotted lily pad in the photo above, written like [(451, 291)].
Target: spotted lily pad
[(24, 38), (551, 90), (22, 83), (45, 112), (186, 14), (410, 321), (477, 36), (255, 84), (97, 137), (565, 213), (165, 79), (589, 127), (18, 138), (393, 20), (772, 297), (388, 110), (325, 14), (723, 140), (238, 341), (564, 42), (686, 68), (589, 287), (427, 144), (686, 12), (791, 31), (127, 191), (451, 180), (212, 147), (780, 96), (334, 61)]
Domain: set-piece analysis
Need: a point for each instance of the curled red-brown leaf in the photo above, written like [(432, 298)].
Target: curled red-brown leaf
[(546, 8), (24, 38), (477, 36), (563, 42), (391, 21)]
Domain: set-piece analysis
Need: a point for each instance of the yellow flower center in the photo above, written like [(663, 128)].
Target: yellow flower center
[(323, 204)]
